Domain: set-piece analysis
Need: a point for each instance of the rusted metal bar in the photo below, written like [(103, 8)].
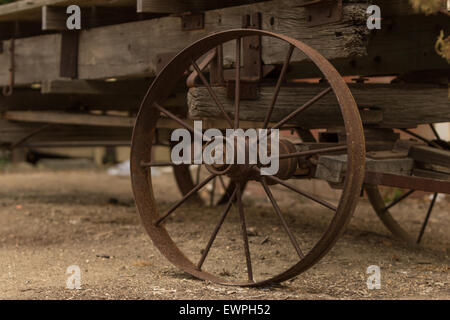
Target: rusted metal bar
[(407, 182)]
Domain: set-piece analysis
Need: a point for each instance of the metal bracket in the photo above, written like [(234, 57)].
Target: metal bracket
[(192, 21), (320, 12), (252, 49)]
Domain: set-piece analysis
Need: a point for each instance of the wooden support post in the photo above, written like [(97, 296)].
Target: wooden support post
[(388, 106), (252, 48), (174, 6)]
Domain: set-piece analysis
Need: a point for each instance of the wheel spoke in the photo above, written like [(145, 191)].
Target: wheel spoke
[(179, 203), (402, 197), (303, 193), (425, 222), (244, 232), (222, 183), (415, 135), (302, 108), (436, 134), (216, 230), (197, 177), (237, 93), (212, 93), (174, 117), (312, 152), (283, 221), (157, 164), (278, 85), (211, 199)]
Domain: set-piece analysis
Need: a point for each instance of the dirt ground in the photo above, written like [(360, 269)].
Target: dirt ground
[(50, 220)]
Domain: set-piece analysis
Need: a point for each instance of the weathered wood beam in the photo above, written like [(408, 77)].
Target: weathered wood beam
[(25, 10), (381, 105), (131, 49), (25, 99), (403, 44), (87, 87), (175, 6), (20, 29), (34, 100), (180, 6), (76, 144), (430, 155), (332, 168), (69, 118), (54, 18), (13, 131)]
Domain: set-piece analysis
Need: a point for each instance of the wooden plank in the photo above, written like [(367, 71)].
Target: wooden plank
[(34, 100), (12, 131), (130, 87), (69, 118), (400, 105), (54, 18), (30, 10), (332, 168), (405, 44), (20, 29), (131, 49), (430, 155), (180, 6), (174, 6)]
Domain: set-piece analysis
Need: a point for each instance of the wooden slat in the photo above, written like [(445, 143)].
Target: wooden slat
[(389, 105), (430, 155), (30, 10), (131, 49), (349, 44), (13, 131), (55, 18), (131, 87), (34, 100), (68, 118), (180, 6), (333, 168)]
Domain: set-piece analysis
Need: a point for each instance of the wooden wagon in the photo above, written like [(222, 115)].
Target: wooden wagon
[(306, 68)]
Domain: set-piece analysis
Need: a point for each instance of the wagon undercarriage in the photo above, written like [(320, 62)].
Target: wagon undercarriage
[(246, 65)]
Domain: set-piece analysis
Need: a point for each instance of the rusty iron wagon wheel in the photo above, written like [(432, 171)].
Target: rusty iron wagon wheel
[(157, 219), (390, 210)]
